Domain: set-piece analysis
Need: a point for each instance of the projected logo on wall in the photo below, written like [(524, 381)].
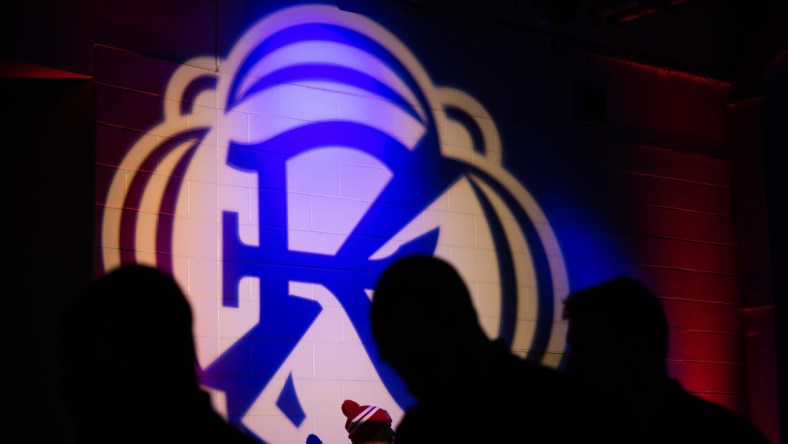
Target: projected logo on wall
[(278, 188)]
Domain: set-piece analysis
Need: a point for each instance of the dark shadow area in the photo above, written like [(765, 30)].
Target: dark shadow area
[(48, 123)]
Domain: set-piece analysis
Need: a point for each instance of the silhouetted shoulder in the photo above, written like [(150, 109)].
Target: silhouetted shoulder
[(692, 419)]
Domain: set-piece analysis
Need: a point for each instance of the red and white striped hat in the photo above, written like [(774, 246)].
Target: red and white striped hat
[(364, 421)]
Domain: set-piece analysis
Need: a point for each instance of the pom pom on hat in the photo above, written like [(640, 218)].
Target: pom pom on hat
[(364, 421)]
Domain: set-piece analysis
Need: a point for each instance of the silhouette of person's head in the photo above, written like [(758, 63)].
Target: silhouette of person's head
[(427, 329), (130, 329), (423, 319), (128, 361), (617, 334), (617, 342)]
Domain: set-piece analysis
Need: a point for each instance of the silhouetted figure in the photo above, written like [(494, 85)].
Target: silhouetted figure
[(617, 347), (367, 424), (128, 362), (468, 388)]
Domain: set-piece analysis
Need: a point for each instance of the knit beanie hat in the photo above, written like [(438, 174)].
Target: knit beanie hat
[(364, 421)]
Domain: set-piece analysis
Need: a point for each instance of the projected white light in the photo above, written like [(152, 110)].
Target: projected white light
[(319, 153)]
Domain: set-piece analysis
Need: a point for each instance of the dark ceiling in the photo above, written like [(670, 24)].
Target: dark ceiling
[(729, 40), (720, 39)]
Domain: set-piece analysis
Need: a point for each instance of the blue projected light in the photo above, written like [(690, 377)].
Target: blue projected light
[(331, 153)]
